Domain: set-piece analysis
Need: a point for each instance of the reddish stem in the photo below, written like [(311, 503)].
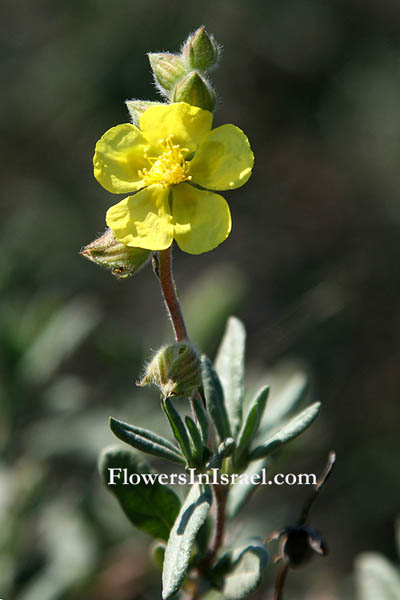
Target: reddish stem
[(169, 293)]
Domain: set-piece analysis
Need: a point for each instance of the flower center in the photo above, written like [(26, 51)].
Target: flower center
[(170, 167)]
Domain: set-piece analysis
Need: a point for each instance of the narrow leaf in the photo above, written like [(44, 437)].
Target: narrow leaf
[(151, 507), (296, 426), (196, 442), (191, 517), (252, 422), (202, 418), (214, 396), (146, 441), (246, 572), (178, 428), (230, 368)]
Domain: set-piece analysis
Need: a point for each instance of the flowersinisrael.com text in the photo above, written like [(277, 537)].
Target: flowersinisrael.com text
[(122, 476)]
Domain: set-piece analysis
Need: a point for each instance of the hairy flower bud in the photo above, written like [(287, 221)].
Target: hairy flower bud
[(112, 254), (175, 370), (201, 50), (168, 69), (195, 90), (137, 107)]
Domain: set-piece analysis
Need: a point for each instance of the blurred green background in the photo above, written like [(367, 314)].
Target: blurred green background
[(311, 267)]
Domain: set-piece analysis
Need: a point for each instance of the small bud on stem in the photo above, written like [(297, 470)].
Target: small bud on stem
[(112, 254)]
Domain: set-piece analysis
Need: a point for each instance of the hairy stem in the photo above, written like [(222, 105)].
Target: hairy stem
[(169, 293), (220, 493)]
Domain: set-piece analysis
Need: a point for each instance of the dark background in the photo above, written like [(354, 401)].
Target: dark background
[(311, 267)]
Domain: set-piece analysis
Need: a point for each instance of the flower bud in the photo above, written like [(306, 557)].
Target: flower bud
[(168, 69), (299, 544), (137, 107), (201, 50), (175, 370), (120, 259), (195, 90)]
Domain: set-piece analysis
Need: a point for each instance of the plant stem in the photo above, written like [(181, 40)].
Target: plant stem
[(220, 493), (169, 293)]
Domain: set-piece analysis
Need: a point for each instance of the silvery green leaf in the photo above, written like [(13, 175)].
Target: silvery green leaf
[(245, 572), (214, 396), (376, 578), (202, 418), (196, 443), (146, 441), (240, 494), (151, 507), (252, 422), (294, 428), (191, 517), (178, 429), (229, 365)]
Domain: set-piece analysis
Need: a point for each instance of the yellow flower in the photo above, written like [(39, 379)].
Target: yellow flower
[(173, 159)]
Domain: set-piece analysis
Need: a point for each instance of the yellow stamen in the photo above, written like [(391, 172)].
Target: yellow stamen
[(170, 167)]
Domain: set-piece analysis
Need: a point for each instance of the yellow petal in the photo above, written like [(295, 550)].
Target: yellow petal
[(143, 220), (185, 123), (224, 159), (118, 158), (202, 219)]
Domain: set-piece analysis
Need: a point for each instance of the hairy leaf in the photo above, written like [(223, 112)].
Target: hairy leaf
[(294, 428), (214, 396), (146, 441), (151, 507), (191, 517), (229, 365)]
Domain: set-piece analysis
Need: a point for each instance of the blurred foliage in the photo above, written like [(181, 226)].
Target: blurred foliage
[(311, 267)]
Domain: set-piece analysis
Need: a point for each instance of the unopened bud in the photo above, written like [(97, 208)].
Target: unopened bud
[(137, 107), (201, 50), (120, 259), (195, 90), (175, 370), (168, 69)]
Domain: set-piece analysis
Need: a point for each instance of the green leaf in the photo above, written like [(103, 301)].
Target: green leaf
[(252, 422), (146, 441), (196, 442), (202, 419), (239, 495), (245, 573), (152, 508), (191, 517), (214, 396), (178, 428), (294, 428), (225, 448), (229, 365), (376, 578)]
